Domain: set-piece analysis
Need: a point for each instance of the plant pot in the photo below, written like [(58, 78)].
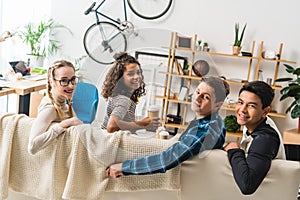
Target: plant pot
[(36, 61), (186, 72), (198, 48), (206, 48), (236, 50)]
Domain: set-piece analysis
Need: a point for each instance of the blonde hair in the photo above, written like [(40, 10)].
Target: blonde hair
[(50, 75)]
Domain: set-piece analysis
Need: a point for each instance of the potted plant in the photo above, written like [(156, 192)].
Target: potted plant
[(199, 45), (231, 123), (205, 47), (238, 38), (292, 90), (186, 68), (39, 37)]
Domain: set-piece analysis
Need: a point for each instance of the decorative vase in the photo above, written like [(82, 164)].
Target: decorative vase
[(36, 61), (198, 48), (236, 50)]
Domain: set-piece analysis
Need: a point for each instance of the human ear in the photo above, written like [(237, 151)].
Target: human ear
[(218, 106), (266, 110), (51, 82)]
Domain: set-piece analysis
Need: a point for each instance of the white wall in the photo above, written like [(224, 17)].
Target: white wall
[(213, 21)]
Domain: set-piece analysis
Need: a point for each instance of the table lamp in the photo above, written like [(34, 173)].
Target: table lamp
[(5, 35)]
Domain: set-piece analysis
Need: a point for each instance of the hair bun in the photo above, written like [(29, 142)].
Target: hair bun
[(120, 55)]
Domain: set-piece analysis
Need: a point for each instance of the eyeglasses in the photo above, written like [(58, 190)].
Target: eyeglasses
[(65, 82)]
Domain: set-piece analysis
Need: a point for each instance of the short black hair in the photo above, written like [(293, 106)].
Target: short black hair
[(263, 90)]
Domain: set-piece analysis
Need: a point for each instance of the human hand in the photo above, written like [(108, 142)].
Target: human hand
[(114, 171), (73, 121), (144, 122), (154, 124), (231, 145)]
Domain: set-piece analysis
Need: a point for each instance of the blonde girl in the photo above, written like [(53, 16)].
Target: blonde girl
[(55, 112)]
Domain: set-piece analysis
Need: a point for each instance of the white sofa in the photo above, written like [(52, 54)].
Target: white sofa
[(207, 176)]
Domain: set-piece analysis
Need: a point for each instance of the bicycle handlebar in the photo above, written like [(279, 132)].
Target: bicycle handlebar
[(89, 9)]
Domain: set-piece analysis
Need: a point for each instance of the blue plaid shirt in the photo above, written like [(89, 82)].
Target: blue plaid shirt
[(201, 134)]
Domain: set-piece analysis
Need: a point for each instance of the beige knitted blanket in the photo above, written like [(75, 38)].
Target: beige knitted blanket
[(73, 166)]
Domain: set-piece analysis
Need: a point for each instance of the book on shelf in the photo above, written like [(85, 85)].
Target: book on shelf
[(179, 67)]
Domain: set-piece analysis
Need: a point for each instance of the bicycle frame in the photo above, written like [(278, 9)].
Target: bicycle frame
[(97, 13), (107, 36)]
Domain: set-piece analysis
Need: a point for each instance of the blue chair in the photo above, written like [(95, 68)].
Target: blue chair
[(85, 101)]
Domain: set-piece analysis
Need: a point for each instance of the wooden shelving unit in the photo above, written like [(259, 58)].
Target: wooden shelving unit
[(277, 63), (172, 71)]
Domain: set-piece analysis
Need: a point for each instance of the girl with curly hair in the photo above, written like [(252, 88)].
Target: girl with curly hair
[(123, 85), (55, 112)]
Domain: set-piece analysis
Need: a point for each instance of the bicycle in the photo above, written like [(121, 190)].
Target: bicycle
[(104, 38)]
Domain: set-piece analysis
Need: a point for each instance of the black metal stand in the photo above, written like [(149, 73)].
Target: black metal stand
[(292, 152), (24, 103)]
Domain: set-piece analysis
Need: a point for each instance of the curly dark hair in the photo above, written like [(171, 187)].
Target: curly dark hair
[(113, 85)]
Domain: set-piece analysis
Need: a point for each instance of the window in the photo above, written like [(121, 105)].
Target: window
[(14, 14)]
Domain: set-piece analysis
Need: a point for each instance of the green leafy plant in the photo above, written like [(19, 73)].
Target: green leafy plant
[(292, 90), (238, 39), (231, 123), (205, 44), (186, 67), (199, 42), (40, 36), (77, 62)]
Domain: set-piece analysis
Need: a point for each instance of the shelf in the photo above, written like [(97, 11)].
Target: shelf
[(238, 134), (173, 70), (232, 108), (173, 100), (176, 125), (161, 97), (179, 101), (276, 60), (211, 53), (277, 87), (236, 82), (182, 75), (226, 55), (277, 115)]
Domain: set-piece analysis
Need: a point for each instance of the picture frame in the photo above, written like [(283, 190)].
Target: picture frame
[(184, 42), (182, 94), (152, 63)]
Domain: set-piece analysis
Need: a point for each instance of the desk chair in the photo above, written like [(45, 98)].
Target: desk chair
[(85, 101)]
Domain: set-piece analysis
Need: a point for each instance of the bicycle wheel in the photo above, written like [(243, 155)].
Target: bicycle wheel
[(101, 41), (149, 9)]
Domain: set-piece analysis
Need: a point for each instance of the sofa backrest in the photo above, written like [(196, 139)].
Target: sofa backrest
[(209, 175)]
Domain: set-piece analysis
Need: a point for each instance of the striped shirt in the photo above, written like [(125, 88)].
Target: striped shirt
[(202, 134), (122, 107)]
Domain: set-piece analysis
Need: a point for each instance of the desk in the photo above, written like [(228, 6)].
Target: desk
[(291, 140), (23, 88), (291, 137), (6, 91)]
